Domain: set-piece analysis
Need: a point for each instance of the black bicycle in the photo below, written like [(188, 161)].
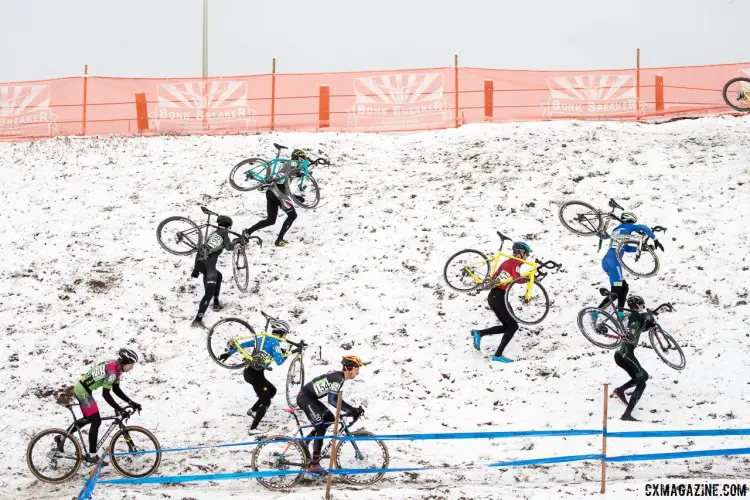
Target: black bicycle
[(603, 328), (181, 236), (54, 455), (736, 94), (291, 454)]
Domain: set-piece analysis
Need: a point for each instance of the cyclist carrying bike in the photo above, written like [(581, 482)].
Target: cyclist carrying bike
[(321, 417), (510, 269), (639, 321), (611, 265), (205, 264), (271, 348), (277, 197), (107, 376)]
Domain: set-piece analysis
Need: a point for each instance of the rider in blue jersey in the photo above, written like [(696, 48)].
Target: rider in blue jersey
[(610, 263)]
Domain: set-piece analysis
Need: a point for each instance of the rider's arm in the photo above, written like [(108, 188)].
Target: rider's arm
[(631, 228), (244, 342), (109, 399), (333, 400), (116, 389), (225, 239)]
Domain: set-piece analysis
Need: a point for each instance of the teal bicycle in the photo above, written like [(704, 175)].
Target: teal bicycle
[(294, 173)]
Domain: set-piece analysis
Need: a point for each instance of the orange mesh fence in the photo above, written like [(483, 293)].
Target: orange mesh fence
[(372, 101)]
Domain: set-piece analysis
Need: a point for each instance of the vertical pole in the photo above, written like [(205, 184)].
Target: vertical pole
[(659, 93), (273, 93), (141, 112), (604, 439), (455, 72), (489, 91), (324, 110), (333, 446), (638, 84), (205, 38), (85, 94)]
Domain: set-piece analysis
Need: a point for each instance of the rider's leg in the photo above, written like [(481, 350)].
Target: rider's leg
[(496, 299), (291, 216), (217, 289), (272, 208), (210, 278), (263, 389)]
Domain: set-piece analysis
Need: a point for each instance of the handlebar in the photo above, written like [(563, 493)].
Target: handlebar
[(550, 264), (659, 229), (666, 306), (320, 161)]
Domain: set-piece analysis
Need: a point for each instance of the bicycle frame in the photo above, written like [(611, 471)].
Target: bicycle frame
[(343, 430), (80, 423)]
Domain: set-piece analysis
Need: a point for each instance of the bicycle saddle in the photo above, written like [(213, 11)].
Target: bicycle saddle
[(279, 146), (207, 211), (613, 204), (606, 292)]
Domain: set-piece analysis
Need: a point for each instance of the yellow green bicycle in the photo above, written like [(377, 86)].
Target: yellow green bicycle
[(525, 297)]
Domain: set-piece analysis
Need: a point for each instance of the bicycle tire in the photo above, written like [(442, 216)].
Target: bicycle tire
[(356, 479), (218, 344), (280, 463), (725, 95), (295, 379), (119, 461), (70, 471), (585, 225), (657, 346), (240, 268), (646, 250), (186, 243), (612, 328), (539, 300), (257, 166), (479, 266), (297, 181)]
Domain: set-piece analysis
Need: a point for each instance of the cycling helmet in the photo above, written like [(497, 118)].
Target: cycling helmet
[(127, 356), (519, 246), (224, 221), (628, 218), (299, 155), (635, 302), (351, 361), (279, 326)]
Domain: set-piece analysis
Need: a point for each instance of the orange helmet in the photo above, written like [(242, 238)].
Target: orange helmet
[(351, 361)]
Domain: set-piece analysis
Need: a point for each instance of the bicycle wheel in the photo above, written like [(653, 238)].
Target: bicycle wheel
[(362, 455), (666, 348), (580, 218), (600, 328), (295, 379), (248, 174), (643, 262), (54, 455), (240, 269), (220, 346), (286, 458), (527, 306), (736, 93), (466, 270), (179, 235), (302, 188), (135, 439)]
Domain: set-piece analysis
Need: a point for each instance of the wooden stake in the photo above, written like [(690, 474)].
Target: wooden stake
[(638, 84), (333, 446), (604, 439), (85, 94), (659, 93)]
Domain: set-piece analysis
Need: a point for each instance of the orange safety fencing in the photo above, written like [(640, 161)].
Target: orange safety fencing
[(373, 101)]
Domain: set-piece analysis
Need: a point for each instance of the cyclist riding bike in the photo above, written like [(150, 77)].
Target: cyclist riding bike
[(510, 269), (277, 197), (107, 376), (612, 266), (639, 321), (272, 348), (321, 417), (205, 264)]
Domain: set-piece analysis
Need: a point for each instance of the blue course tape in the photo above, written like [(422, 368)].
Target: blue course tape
[(689, 432), (550, 460), (202, 477), (680, 454), (88, 487)]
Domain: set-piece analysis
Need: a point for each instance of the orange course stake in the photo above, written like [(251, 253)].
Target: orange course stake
[(455, 72), (85, 94), (659, 91), (324, 113), (489, 89), (141, 112), (638, 84), (273, 93)]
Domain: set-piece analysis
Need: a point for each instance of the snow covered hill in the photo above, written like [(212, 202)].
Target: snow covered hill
[(83, 274)]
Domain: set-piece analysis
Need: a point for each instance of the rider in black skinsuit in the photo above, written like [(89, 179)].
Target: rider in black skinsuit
[(638, 322)]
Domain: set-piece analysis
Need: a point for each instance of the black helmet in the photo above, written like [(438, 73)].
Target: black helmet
[(127, 356), (224, 221), (299, 155), (635, 302)]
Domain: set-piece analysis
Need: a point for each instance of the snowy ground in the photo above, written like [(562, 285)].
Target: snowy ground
[(365, 268)]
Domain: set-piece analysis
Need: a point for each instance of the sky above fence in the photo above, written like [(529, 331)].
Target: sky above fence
[(163, 38)]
